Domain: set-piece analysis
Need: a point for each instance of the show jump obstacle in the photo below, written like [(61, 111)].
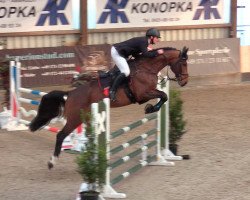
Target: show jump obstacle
[(161, 155), (75, 141)]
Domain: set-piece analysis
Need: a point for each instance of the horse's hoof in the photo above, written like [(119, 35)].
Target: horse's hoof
[(50, 165), (149, 108)]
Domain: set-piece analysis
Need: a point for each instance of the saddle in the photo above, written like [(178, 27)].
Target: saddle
[(105, 79)]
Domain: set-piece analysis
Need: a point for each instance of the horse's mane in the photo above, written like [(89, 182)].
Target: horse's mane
[(165, 49), (142, 57)]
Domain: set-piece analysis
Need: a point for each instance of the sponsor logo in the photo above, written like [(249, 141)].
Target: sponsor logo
[(208, 9), (161, 7), (113, 9), (25, 11), (53, 13)]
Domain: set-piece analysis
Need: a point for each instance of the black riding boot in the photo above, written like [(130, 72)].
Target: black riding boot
[(115, 85)]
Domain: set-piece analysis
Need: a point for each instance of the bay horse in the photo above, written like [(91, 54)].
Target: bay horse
[(143, 82)]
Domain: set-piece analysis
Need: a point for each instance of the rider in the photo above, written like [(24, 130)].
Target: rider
[(132, 47)]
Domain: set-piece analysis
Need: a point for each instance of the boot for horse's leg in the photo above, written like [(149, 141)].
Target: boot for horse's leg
[(149, 108), (115, 85)]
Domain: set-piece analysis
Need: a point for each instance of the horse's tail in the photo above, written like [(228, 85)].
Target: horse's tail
[(50, 107)]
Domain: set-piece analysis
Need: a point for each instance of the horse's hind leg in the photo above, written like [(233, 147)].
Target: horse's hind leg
[(59, 140), (67, 129)]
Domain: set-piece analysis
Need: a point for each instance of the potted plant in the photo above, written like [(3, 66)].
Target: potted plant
[(177, 123), (92, 165)]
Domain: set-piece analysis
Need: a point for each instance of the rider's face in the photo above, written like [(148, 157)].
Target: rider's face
[(156, 39)]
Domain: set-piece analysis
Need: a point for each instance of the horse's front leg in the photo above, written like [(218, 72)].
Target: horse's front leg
[(149, 108)]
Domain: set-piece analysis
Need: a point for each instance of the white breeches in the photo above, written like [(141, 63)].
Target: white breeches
[(120, 62)]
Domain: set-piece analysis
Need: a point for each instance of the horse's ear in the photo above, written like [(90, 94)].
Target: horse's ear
[(184, 53), (185, 49)]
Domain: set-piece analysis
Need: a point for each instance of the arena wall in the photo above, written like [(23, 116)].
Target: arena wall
[(107, 37)]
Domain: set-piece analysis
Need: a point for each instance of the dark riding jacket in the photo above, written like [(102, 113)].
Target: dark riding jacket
[(135, 47)]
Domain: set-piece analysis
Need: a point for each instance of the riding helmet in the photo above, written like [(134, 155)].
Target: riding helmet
[(153, 32)]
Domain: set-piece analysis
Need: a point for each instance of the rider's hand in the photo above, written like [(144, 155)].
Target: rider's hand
[(150, 48), (160, 51)]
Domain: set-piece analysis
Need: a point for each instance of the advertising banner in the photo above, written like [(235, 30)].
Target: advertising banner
[(211, 56), (243, 24), (149, 13), (57, 65), (35, 15)]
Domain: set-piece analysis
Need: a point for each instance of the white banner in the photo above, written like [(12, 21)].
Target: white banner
[(210, 56), (35, 15), (149, 13), (243, 24)]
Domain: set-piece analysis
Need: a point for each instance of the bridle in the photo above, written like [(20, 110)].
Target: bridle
[(178, 77)]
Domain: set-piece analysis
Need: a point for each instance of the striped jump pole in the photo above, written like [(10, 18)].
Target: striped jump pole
[(102, 128), (16, 110), (15, 123)]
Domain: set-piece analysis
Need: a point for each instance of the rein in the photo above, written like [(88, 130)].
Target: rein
[(169, 78), (141, 70), (178, 77)]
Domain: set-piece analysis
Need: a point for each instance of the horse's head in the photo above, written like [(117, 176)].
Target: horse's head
[(178, 64)]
